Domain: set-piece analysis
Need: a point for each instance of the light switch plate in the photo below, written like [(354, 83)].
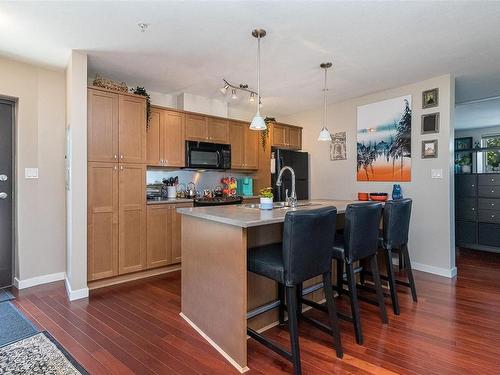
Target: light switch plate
[(436, 173), (31, 172)]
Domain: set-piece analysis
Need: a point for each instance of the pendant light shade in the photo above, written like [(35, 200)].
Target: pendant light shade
[(258, 122), (324, 134)]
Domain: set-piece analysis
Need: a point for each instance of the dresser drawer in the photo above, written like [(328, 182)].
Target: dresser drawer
[(466, 209), (489, 216), (465, 232), (465, 185), (488, 179), (488, 204), (489, 234), (491, 191)]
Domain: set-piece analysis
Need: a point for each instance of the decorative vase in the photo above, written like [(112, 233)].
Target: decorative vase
[(266, 203), (396, 192), (465, 168)]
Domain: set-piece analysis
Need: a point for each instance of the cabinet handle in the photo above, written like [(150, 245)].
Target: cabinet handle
[(115, 156), (473, 209), (492, 216), (166, 161), (115, 168), (492, 180), (121, 167), (121, 156), (492, 204), (472, 185), (492, 190)]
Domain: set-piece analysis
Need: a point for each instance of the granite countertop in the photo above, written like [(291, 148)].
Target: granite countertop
[(246, 216), (169, 201)]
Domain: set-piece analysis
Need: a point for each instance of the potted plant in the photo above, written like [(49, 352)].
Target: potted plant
[(465, 162), (266, 198)]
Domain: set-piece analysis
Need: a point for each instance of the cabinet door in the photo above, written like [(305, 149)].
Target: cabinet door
[(466, 209), (153, 138), (488, 179), (252, 139), (102, 220), (295, 138), (237, 137), (465, 232), (177, 231), (102, 126), (486, 191), (172, 136), (132, 218), (465, 185), (218, 131), (279, 136), (488, 234), (159, 235), (196, 128), (132, 129)]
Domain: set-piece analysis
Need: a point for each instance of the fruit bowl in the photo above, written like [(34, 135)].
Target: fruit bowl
[(379, 197)]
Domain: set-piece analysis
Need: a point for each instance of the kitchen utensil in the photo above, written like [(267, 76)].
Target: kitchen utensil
[(363, 197), (380, 197), (171, 192)]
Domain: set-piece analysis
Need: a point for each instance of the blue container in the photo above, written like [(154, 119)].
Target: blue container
[(245, 186), (396, 192)]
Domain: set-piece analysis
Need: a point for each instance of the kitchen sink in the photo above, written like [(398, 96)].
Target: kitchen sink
[(278, 205)]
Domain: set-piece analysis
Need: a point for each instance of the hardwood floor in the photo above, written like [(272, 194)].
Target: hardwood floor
[(136, 328)]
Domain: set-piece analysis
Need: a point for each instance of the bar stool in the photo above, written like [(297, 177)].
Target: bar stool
[(360, 241), (305, 253), (396, 226)]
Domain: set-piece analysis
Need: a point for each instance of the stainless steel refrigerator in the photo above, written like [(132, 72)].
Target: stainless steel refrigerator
[(299, 162)]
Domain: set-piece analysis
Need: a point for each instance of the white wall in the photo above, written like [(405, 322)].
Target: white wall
[(40, 236), (76, 195), (201, 104), (432, 229)]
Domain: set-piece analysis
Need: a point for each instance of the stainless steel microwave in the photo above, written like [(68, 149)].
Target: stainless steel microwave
[(206, 155)]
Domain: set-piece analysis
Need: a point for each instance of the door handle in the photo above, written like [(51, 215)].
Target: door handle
[(3, 195)]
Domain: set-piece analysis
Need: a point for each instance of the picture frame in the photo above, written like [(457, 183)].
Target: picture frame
[(464, 143), (430, 149), (430, 98), (430, 123)]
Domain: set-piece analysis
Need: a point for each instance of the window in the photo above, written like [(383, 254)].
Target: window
[(491, 159)]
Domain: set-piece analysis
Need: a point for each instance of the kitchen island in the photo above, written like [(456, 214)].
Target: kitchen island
[(217, 290)]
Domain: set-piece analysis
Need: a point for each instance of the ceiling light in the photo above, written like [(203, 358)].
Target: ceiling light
[(324, 134), (252, 97), (233, 94), (223, 90), (143, 27), (258, 122)]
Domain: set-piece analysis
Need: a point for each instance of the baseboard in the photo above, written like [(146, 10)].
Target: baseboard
[(39, 280), (216, 347), (76, 294), (450, 273)]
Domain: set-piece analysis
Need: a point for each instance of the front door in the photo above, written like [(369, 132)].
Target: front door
[(6, 251)]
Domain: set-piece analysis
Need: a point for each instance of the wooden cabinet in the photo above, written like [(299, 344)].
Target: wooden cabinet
[(286, 136), (244, 146), (164, 234), (132, 218), (132, 129), (102, 129), (206, 129), (165, 138), (102, 220)]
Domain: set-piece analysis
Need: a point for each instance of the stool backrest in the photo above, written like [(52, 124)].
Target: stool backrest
[(308, 238), (397, 222), (362, 222)]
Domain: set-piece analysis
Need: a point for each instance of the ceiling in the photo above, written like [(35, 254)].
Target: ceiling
[(191, 46), (481, 114)]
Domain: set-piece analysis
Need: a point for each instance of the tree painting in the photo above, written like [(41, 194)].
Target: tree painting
[(384, 140)]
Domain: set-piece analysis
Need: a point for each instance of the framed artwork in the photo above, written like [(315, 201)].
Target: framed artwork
[(430, 123), (430, 98), (430, 149), (338, 146), (384, 140), (464, 143)]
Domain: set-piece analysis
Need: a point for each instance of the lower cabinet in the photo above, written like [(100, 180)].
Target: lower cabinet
[(164, 234)]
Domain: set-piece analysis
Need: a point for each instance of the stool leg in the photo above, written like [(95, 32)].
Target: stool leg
[(392, 281), (281, 308), (409, 272), (353, 296), (400, 262), (291, 300), (332, 311), (299, 299), (340, 276), (378, 288)]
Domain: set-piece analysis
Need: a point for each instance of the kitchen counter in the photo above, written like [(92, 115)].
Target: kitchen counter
[(246, 216), (169, 201)]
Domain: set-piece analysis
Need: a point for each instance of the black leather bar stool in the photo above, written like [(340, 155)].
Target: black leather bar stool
[(360, 241), (305, 253), (396, 226)]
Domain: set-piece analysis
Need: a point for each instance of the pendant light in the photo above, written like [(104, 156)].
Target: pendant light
[(258, 122), (324, 134)]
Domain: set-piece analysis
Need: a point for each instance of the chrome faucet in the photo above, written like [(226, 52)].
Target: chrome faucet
[(292, 199)]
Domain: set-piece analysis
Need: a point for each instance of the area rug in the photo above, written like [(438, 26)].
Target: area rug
[(5, 295), (13, 324)]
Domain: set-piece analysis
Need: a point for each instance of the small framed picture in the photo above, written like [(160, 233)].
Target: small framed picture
[(430, 123), (464, 143), (430, 98), (430, 149)]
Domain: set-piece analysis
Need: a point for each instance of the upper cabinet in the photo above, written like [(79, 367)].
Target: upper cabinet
[(165, 138), (206, 129), (116, 128), (286, 136), (244, 146)]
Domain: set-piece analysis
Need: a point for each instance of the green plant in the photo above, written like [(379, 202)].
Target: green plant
[(266, 192), (139, 90), (465, 160), (264, 134)]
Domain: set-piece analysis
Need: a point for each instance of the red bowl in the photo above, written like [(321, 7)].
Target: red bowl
[(379, 197), (363, 196)]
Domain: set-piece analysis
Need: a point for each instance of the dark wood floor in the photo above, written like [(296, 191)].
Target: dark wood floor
[(136, 328)]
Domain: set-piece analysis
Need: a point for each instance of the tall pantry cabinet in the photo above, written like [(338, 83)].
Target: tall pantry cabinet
[(116, 212)]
